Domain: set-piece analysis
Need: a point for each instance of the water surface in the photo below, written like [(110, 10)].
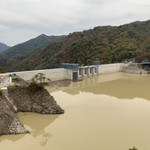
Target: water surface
[(109, 112)]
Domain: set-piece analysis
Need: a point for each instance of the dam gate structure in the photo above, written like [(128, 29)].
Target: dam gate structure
[(76, 72)]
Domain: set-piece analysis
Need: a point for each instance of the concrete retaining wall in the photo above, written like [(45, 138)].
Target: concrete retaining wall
[(52, 74), (62, 74), (110, 68)]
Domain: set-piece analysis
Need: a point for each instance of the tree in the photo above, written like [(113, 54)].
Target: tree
[(39, 78), (38, 82)]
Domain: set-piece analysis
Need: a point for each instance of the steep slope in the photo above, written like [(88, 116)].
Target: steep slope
[(27, 47), (3, 47), (107, 44)]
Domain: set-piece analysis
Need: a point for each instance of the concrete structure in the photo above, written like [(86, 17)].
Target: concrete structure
[(146, 66), (87, 71), (76, 73), (53, 74), (134, 68), (110, 68)]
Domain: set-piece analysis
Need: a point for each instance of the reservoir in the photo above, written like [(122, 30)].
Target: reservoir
[(105, 112)]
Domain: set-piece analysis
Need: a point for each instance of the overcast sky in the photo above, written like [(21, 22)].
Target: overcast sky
[(21, 20)]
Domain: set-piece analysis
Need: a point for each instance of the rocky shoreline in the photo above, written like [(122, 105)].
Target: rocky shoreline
[(21, 99)]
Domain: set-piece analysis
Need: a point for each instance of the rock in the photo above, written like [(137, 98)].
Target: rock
[(23, 100), (17, 128), (39, 102), (9, 124)]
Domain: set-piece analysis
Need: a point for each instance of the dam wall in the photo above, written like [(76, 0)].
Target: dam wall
[(62, 74), (52, 74), (110, 68), (81, 72)]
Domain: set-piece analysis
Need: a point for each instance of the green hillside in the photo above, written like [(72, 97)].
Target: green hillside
[(3, 47), (107, 44), (27, 47)]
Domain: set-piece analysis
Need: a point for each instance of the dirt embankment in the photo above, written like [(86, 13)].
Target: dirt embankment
[(21, 99)]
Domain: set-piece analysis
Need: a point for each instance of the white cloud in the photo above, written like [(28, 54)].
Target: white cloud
[(21, 20)]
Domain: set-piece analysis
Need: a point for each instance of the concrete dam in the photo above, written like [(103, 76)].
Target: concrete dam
[(75, 72), (68, 73)]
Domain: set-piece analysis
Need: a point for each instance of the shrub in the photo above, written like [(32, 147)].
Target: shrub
[(39, 78), (34, 87), (38, 83)]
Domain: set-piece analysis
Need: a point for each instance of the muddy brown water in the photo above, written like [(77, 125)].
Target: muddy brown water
[(109, 112)]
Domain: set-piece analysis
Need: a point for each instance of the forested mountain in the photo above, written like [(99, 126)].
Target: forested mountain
[(107, 43), (27, 47), (3, 47)]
